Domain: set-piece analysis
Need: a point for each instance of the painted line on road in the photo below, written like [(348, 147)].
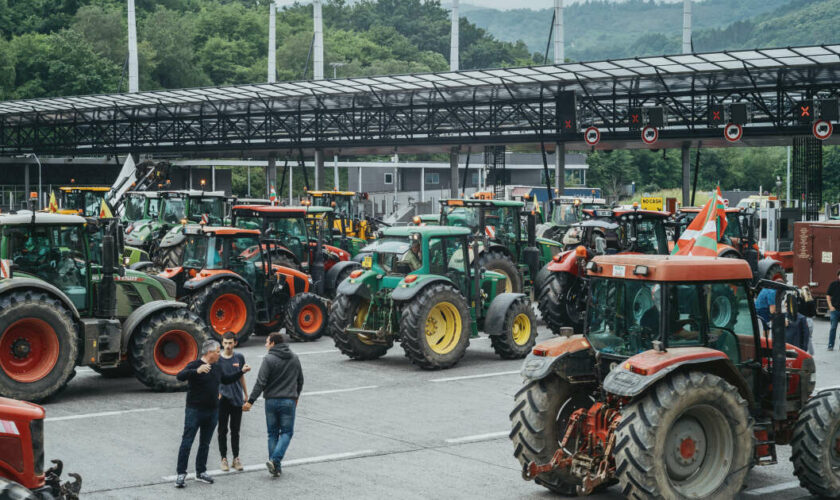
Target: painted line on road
[(467, 377), (100, 414), (774, 488), (288, 463), (478, 437), (335, 391)]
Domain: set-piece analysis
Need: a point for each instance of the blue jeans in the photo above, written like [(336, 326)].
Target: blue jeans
[(196, 419), (835, 318), (280, 421)]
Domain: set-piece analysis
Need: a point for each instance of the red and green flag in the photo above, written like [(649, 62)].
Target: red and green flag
[(701, 236), (272, 196)]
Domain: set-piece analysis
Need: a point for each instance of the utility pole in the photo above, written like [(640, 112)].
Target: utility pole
[(559, 41), (453, 39), (133, 79), (318, 45), (686, 45), (272, 42)]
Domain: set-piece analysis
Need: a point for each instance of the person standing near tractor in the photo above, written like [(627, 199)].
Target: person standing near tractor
[(280, 380), (202, 411), (833, 296), (231, 399)]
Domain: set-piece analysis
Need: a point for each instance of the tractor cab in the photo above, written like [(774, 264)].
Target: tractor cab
[(81, 200), (500, 218), (623, 230), (141, 205), (348, 215)]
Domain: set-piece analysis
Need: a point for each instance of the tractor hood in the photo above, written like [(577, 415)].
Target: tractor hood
[(139, 232)]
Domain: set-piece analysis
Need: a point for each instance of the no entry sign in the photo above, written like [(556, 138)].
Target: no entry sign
[(822, 129), (592, 136), (650, 135), (733, 132)]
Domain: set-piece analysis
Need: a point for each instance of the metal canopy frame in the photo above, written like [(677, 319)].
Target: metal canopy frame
[(493, 106)]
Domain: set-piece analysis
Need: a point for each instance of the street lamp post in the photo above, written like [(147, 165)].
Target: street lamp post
[(38, 161), (335, 66)]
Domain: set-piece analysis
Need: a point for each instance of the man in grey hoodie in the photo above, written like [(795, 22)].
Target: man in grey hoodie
[(280, 381)]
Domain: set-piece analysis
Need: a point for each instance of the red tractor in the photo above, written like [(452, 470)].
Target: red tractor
[(560, 287), (672, 391), (22, 475), (228, 278)]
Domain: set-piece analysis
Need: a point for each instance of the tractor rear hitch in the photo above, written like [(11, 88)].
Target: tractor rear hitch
[(68, 490)]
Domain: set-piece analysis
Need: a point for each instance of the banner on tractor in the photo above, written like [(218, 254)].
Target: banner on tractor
[(701, 236)]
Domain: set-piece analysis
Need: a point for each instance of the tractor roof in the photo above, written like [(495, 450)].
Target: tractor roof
[(23, 217), (230, 231), (194, 192), (481, 203), (251, 201), (427, 231), (337, 193), (147, 194), (671, 268), (647, 213), (67, 189), (280, 211)]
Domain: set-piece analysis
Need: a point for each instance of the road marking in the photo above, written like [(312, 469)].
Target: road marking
[(774, 488), (466, 377), (100, 414), (334, 391), (288, 463), (478, 437)]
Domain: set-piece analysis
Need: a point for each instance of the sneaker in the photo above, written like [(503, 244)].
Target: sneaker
[(830, 348), (204, 478), (278, 468), (271, 468), (180, 481), (237, 464), (225, 467)]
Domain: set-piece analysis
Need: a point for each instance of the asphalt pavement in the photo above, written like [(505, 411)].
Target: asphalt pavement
[(380, 429)]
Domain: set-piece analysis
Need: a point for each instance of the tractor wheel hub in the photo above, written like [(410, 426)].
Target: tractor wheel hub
[(685, 448), (21, 348)]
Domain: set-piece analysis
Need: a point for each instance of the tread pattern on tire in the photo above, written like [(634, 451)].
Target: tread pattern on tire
[(549, 304), (24, 298), (635, 458), (503, 344), (413, 326), (496, 260), (811, 442), (171, 257), (201, 301), (141, 347), (341, 316), (292, 311)]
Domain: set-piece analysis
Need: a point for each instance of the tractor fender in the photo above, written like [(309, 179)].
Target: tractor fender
[(547, 356), (402, 293), (765, 264), (342, 255), (353, 287), (494, 322), (565, 262), (335, 271), (168, 285), (17, 284), (139, 266), (204, 278), (141, 313), (285, 251), (638, 373)]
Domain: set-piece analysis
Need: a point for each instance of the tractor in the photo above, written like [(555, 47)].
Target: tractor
[(140, 206), (66, 301), (561, 285), (81, 200), (421, 286), (738, 240), (499, 226), (22, 475), (671, 390), (564, 211), (227, 276)]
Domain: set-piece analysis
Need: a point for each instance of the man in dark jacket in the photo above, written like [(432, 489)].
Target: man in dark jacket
[(202, 412), (280, 380)]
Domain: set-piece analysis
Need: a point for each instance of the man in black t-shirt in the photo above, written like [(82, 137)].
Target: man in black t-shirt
[(202, 410), (231, 398), (833, 299)]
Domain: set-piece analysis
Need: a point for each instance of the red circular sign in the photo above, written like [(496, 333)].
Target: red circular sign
[(733, 132), (650, 135), (592, 136), (822, 129)]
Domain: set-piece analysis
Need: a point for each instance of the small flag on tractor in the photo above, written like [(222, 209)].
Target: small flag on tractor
[(701, 236), (53, 208), (490, 231), (104, 211), (205, 219), (272, 197)]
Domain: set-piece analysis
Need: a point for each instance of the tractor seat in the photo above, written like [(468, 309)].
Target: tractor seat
[(726, 342)]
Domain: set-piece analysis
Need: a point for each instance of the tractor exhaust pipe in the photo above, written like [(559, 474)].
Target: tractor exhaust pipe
[(531, 254), (108, 287), (317, 269)]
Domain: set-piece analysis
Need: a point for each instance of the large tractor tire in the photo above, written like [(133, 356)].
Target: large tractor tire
[(226, 306), (10, 490), (690, 436), (496, 261), (539, 419), (559, 299), (170, 257), (342, 275), (519, 332), (306, 317), (351, 311), (163, 345), (815, 454), (435, 327), (775, 272), (38, 345)]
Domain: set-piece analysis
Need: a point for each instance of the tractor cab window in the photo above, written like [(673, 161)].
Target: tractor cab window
[(195, 251), (623, 316), (249, 222), (564, 215), (154, 208), (87, 201), (174, 210), (134, 205), (56, 254), (388, 254), (505, 222), (212, 207), (461, 216), (237, 254), (448, 257), (345, 205), (650, 237), (291, 233)]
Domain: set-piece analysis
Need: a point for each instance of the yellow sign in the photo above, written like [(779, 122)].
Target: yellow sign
[(652, 203), (367, 262)]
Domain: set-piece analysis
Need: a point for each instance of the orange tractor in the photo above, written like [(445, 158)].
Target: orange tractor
[(671, 391), (228, 278), (22, 473)]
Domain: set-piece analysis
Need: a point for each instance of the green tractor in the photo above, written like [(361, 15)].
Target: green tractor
[(139, 207), (506, 233), (66, 301), (420, 286)]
